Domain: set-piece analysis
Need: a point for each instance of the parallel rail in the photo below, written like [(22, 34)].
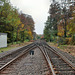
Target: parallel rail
[(7, 63), (47, 59), (4, 67), (63, 57), (55, 60), (60, 64)]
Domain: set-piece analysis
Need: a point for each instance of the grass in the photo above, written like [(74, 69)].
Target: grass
[(56, 45), (19, 42), (63, 46), (66, 48), (15, 45), (6, 49), (52, 44)]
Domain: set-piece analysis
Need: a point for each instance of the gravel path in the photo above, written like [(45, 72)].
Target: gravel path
[(29, 65)]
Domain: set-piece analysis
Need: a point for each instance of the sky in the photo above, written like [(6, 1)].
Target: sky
[(38, 9)]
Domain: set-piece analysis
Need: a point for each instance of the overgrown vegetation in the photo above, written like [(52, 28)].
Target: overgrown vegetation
[(14, 46), (60, 25), (18, 26)]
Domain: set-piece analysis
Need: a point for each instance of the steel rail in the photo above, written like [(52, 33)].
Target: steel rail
[(20, 49), (10, 62), (63, 57), (13, 54), (47, 59)]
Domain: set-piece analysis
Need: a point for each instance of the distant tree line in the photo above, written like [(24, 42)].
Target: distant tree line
[(60, 24), (18, 26)]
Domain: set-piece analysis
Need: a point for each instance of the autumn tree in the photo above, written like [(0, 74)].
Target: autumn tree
[(52, 21), (9, 20), (55, 12), (16, 25), (28, 23)]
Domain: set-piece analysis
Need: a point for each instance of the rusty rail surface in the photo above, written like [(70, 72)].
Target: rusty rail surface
[(45, 49), (70, 67), (15, 58), (47, 59), (63, 57)]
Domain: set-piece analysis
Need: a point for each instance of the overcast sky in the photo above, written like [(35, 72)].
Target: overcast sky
[(38, 9)]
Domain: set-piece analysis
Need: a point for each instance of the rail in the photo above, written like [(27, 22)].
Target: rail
[(47, 59)]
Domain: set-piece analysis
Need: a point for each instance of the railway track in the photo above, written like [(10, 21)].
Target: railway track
[(43, 68), (6, 60), (56, 63), (60, 64)]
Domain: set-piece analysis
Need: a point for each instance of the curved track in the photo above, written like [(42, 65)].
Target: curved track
[(6, 60), (61, 65), (57, 63), (6, 67)]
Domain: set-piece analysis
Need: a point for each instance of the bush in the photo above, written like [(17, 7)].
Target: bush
[(68, 40), (62, 41), (73, 39)]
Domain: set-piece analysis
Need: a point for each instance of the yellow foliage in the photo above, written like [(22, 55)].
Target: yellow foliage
[(22, 25), (30, 34), (71, 25), (60, 30), (69, 40)]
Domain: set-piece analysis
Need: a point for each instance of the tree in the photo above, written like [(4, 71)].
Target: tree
[(51, 30), (55, 12), (17, 26), (71, 25), (28, 23)]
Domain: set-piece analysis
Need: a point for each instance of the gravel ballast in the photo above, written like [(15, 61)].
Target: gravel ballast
[(29, 65), (67, 55)]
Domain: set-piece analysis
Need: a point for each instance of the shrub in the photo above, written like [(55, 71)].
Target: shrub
[(73, 39), (68, 40), (62, 41)]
